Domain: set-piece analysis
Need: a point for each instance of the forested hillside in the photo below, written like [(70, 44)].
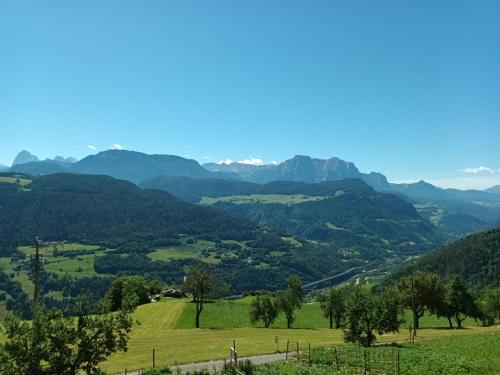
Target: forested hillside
[(102, 210), (136, 231), (348, 213), (475, 258)]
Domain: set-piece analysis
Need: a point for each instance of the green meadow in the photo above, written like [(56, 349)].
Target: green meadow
[(263, 198), (22, 182), (166, 326)]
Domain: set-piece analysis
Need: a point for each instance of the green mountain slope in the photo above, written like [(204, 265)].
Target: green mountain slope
[(150, 233), (100, 209), (475, 258), (348, 213)]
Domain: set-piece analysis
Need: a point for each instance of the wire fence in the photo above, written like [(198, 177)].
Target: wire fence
[(342, 359), (380, 360)]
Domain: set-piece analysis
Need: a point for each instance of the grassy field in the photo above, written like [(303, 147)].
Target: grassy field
[(177, 252), (164, 327), (472, 354), (478, 354), (185, 250), (264, 198), (79, 266), (48, 249), (235, 314), (23, 182), (19, 276)]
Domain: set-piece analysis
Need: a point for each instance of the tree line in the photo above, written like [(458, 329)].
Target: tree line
[(361, 311)]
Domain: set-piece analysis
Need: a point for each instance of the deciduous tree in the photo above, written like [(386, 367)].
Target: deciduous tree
[(332, 303), (264, 308), (421, 291), (290, 299), (367, 313), (203, 284), (54, 344)]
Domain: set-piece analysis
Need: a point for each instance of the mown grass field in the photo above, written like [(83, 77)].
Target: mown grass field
[(164, 326), (263, 198), (235, 314), (23, 182), (79, 266), (185, 250), (49, 248)]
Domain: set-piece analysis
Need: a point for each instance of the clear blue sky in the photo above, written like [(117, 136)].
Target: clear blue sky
[(407, 88)]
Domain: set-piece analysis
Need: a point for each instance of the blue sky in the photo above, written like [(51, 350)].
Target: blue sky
[(407, 88)]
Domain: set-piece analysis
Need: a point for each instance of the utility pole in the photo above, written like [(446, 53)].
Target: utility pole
[(36, 272), (413, 310)]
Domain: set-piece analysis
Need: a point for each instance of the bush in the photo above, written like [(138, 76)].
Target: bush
[(158, 371)]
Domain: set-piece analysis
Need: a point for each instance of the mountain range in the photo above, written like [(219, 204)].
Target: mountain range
[(494, 189), (308, 169), (456, 212), (137, 167)]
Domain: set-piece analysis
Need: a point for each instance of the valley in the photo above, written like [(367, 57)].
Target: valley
[(96, 230)]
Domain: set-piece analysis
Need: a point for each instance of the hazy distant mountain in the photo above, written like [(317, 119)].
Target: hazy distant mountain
[(3, 168), (127, 165), (299, 168), (24, 157), (43, 167), (494, 189), (307, 169), (242, 169), (137, 167), (68, 159)]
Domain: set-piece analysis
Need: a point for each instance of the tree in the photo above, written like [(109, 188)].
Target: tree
[(367, 312), (290, 299), (203, 284), (63, 345), (264, 308), (460, 302), (490, 306), (135, 290), (421, 291), (333, 306)]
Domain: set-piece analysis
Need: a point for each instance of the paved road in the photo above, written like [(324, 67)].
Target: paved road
[(331, 277), (218, 365)]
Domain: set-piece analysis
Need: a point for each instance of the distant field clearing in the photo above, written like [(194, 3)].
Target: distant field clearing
[(268, 198)]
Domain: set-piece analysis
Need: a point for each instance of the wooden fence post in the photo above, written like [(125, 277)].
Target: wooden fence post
[(298, 356), (397, 362), (154, 360), (287, 344), (364, 357), (309, 354), (235, 353), (336, 358)]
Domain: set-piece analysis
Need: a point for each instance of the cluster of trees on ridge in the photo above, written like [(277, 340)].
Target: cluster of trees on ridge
[(475, 259)]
